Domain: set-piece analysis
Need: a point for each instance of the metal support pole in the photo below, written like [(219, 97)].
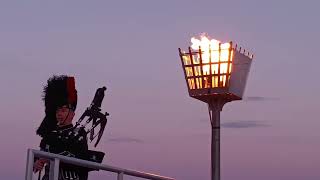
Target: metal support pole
[(120, 176), (215, 145), (30, 159), (214, 110), (54, 169)]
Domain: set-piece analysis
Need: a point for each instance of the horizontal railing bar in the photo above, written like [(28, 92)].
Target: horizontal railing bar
[(94, 165)]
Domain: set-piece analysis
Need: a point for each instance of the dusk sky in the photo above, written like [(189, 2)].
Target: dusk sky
[(131, 47)]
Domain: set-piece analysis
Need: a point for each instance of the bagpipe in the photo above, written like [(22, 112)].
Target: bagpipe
[(82, 129)]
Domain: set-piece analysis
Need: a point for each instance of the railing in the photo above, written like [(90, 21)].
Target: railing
[(55, 160)]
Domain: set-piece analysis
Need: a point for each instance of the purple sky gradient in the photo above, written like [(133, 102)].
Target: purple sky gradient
[(131, 47)]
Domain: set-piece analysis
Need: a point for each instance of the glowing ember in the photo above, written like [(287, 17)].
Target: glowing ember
[(218, 55)]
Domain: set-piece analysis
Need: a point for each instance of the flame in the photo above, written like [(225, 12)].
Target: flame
[(211, 51)]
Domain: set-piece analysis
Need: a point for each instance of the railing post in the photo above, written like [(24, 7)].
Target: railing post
[(120, 176), (54, 169), (29, 168)]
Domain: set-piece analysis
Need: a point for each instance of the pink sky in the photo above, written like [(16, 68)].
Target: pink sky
[(131, 47)]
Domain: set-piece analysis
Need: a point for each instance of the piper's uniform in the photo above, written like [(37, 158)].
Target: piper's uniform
[(72, 148)]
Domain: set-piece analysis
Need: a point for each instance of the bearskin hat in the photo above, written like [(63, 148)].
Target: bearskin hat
[(59, 91)]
